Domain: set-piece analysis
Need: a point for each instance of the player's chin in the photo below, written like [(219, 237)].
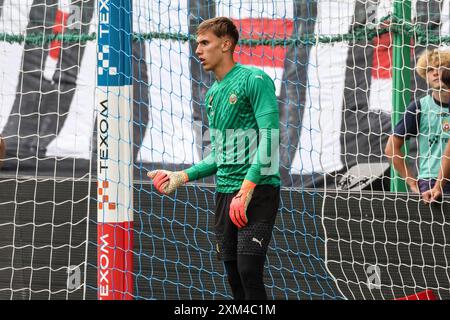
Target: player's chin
[(206, 66), (436, 85)]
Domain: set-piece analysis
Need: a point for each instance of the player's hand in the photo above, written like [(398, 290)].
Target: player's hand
[(432, 195), (239, 204), (412, 183), (167, 181)]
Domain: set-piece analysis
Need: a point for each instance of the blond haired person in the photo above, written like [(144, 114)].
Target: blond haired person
[(435, 193), (428, 120)]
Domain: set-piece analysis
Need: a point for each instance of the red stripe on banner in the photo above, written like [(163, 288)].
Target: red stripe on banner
[(423, 295), (271, 56), (115, 261), (382, 57), (58, 27)]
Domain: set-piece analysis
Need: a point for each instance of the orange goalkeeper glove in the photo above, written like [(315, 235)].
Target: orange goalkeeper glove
[(239, 204), (167, 182)]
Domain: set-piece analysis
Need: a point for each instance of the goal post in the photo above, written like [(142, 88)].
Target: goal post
[(114, 150), (401, 78)]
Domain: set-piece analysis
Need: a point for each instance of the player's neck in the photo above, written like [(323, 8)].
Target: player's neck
[(442, 96), (223, 68)]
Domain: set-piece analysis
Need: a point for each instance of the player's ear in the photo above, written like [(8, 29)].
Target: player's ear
[(226, 44)]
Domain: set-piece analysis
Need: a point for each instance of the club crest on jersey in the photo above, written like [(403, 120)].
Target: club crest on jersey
[(446, 126), (233, 98)]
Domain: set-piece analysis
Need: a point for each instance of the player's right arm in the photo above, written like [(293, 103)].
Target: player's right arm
[(407, 127), (167, 182), (395, 155)]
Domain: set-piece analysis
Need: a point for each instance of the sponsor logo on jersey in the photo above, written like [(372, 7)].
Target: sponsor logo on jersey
[(445, 125), (233, 98)]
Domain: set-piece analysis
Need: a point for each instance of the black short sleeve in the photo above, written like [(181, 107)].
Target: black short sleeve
[(408, 126)]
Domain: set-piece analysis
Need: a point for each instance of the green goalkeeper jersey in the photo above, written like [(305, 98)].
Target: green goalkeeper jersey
[(244, 126)]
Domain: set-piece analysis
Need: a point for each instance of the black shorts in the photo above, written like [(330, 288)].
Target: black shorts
[(427, 184), (254, 238)]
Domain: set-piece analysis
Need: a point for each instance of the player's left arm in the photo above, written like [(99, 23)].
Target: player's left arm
[(261, 92)]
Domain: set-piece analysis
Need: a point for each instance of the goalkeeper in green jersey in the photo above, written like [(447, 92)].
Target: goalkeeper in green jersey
[(427, 120), (444, 173), (244, 125)]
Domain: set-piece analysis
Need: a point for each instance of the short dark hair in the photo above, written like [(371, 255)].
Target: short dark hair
[(446, 76), (220, 26)]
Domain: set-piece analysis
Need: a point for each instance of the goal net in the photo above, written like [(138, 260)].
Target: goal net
[(94, 94)]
